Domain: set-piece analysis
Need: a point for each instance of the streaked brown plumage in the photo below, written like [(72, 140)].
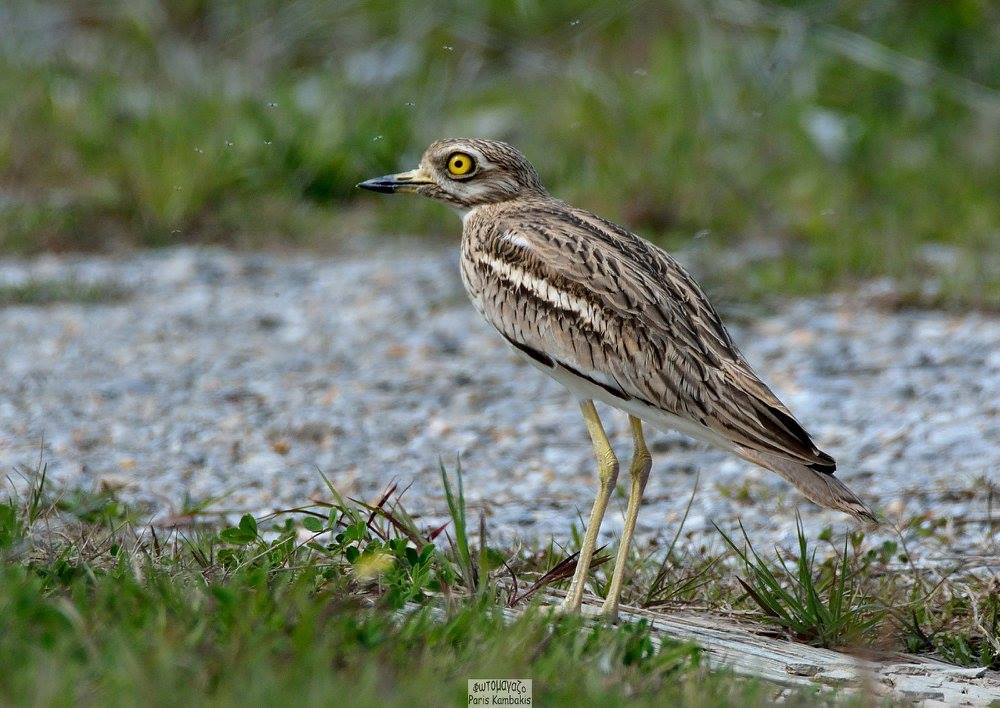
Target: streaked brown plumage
[(610, 315)]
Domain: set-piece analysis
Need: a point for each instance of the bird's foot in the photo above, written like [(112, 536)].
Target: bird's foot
[(609, 612), (569, 606), (573, 605)]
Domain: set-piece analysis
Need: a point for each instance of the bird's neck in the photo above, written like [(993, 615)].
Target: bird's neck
[(496, 209)]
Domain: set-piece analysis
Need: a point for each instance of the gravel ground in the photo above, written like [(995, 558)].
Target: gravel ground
[(237, 377)]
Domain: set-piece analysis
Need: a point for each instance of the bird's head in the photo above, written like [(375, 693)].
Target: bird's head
[(465, 173)]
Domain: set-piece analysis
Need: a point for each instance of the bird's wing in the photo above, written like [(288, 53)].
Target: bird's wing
[(576, 291)]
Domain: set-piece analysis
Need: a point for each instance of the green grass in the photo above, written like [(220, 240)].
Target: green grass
[(344, 598), (338, 600), (48, 292), (824, 605), (854, 139)]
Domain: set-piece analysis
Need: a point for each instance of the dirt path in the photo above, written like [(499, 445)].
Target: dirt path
[(236, 377)]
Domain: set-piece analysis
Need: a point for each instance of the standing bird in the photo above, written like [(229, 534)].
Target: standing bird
[(613, 318)]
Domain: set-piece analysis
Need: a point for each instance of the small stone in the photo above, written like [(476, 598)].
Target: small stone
[(803, 669)]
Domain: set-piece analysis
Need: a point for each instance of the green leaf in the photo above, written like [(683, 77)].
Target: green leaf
[(237, 536), (354, 532), (411, 555), (311, 523), (248, 524)]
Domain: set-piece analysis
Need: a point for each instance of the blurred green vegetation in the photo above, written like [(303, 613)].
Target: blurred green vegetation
[(828, 141)]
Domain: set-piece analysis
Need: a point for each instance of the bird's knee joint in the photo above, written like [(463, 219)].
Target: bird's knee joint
[(642, 460), (608, 467)]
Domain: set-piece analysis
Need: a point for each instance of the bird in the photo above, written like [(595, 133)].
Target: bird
[(613, 318)]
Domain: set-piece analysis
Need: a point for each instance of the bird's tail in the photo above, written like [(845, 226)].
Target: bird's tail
[(819, 487)]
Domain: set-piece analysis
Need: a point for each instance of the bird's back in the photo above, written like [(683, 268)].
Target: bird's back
[(583, 295)]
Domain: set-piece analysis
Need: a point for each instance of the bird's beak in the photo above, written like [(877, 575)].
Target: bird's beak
[(402, 182)]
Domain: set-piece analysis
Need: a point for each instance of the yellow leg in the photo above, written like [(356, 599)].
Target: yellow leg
[(639, 472), (607, 466)]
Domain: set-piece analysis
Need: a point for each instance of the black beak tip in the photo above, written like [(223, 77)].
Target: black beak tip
[(379, 184)]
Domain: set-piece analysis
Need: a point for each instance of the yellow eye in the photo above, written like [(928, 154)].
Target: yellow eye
[(459, 164)]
